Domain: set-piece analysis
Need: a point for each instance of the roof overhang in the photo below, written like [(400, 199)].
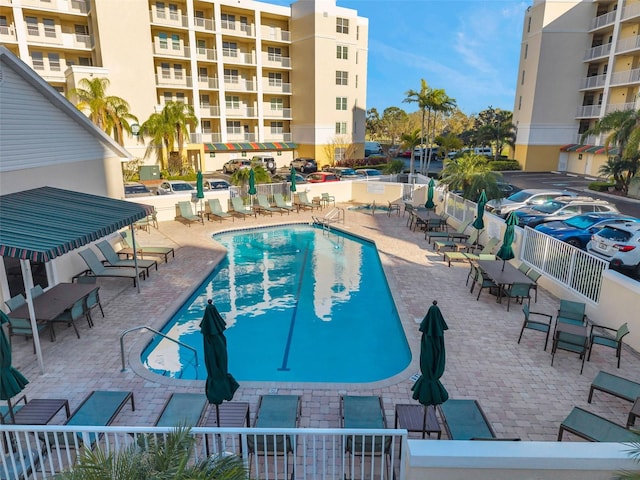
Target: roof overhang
[(248, 146)]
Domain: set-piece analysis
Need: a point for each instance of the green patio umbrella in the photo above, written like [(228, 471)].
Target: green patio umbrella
[(12, 382), (506, 250), (252, 182), (220, 384), (478, 223), (292, 187), (428, 390), (200, 188), (429, 203)]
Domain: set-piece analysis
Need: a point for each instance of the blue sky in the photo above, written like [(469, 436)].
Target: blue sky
[(468, 47)]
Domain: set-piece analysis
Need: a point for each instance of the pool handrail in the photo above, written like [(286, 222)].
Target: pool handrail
[(140, 327)]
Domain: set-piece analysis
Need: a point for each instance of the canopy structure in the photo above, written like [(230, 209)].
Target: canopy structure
[(46, 222), (223, 147)]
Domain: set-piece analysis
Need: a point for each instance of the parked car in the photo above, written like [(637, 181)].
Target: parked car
[(561, 208), (619, 245), (175, 186), (341, 172), (368, 172), (394, 151), (433, 151), (215, 184), (235, 164), (577, 231), (371, 148), (135, 189), (527, 197), (267, 161), (299, 179), (321, 177), (304, 165), (405, 154)]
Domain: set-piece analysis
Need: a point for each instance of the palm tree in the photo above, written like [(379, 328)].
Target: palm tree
[(449, 143), (421, 97), (168, 128), (410, 141), (155, 457), (241, 176), (471, 174), (439, 102), (109, 113)]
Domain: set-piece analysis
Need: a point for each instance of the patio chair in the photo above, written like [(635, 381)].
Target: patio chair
[(22, 327), (465, 420), (113, 260), (15, 302), (213, 210), (281, 204), (595, 428), (524, 268), (459, 233), (326, 199), (303, 202), (539, 325), (264, 207), (148, 222), (144, 250), (186, 409), (36, 291), (240, 210), (184, 213), (606, 340), (484, 282), (97, 269), (93, 299), (534, 276), (519, 291), (571, 312), (70, 316), (393, 207)]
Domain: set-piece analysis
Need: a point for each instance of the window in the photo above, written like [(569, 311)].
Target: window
[(168, 97), (522, 81), (274, 54), (339, 154), (356, 57), (526, 50), (520, 102), (277, 127), (173, 11), (275, 79), (37, 60), (204, 100), (32, 26), (206, 126), (356, 81), (528, 24), (228, 21), (201, 46), (4, 26), (342, 25), (166, 70), (160, 12), (341, 103), (162, 40), (244, 25), (203, 74), (342, 52), (85, 61), (199, 18), (49, 27), (54, 62), (230, 49), (277, 104), (232, 102), (233, 127), (357, 33), (230, 75), (342, 78), (175, 42), (180, 97), (177, 71), (341, 128)]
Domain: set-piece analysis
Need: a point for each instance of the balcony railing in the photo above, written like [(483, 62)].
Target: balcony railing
[(278, 137), (597, 52), (204, 24), (628, 44), (603, 20), (206, 54), (241, 137), (626, 76), (7, 34), (630, 11), (270, 60), (210, 110), (589, 111), (593, 82), (206, 137), (241, 112), (589, 139), (271, 113), (182, 51), (166, 17), (276, 87), (272, 33), (619, 107), (208, 83), (236, 56), (236, 28), (170, 80), (239, 85)]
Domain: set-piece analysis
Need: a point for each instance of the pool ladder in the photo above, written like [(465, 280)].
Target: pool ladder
[(122, 335), (336, 215)]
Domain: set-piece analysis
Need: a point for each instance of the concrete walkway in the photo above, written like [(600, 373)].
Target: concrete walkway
[(522, 395)]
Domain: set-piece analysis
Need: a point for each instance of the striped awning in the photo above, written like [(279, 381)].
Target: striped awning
[(597, 149), (221, 147), (46, 222)]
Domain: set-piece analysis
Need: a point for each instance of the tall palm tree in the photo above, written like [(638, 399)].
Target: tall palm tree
[(421, 97), (471, 174), (439, 103), (410, 141), (109, 113)]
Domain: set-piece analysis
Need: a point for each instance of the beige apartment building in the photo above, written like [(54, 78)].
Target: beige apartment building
[(579, 61), (262, 78)]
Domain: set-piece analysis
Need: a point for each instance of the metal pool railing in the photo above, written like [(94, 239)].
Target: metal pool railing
[(42, 452)]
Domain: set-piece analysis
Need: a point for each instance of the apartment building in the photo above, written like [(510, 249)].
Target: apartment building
[(262, 78), (579, 61)]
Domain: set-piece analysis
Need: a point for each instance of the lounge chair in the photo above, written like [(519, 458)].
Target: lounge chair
[(488, 249), (186, 409), (441, 245), (97, 269), (144, 250), (449, 235), (184, 213), (465, 420), (213, 211), (614, 385), (113, 260), (263, 206), (303, 202), (239, 210), (595, 428), (281, 204)]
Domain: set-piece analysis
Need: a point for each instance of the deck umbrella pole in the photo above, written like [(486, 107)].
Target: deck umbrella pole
[(27, 279), (135, 256)]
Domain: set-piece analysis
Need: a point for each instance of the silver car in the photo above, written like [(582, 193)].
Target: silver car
[(175, 186), (524, 198)]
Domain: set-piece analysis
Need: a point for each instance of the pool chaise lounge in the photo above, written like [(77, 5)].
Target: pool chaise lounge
[(186, 409), (614, 385), (113, 260), (595, 428), (465, 420), (144, 250), (97, 269), (364, 412)]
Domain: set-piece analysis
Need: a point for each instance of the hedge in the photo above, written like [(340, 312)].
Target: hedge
[(601, 186), (501, 165)]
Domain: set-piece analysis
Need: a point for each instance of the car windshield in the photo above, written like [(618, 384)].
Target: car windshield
[(614, 234), (582, 222), (181, 187), (521, 196), (548, 207), (372, 173), (348, 171), (135, 189)]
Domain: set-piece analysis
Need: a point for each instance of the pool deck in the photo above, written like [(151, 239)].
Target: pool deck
[(521, 393)]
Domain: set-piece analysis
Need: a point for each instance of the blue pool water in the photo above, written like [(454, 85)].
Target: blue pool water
[(301, 305)]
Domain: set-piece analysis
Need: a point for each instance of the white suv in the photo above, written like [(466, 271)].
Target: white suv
[(619, 245)]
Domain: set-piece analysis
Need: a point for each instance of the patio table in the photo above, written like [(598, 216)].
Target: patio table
[(503, 277), (55, 301), (40, 411)]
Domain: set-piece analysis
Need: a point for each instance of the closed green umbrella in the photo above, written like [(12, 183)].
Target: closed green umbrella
[(478, 223), (428, 390), (12, 382), (200, 188), (292, 187), (220, 384), (506, 250), (429, 204), (252, 182)]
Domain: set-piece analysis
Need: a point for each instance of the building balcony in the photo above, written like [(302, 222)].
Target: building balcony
[(241, 112), (205, 137), (235, 84), (589, 111), (603, 20), (589, 139), (206, 54), (619, 107), (50, 73), (278, 137), (166, 17), (626, 77), (74, 6), (238, 57), (628, 44), (270, 60), (276, 87), (596, 81), (233, 136), (209, 110), (236, 28), (597, 52), (7, 34), (171, 80), (274, 34), (60, 39), (282, 113), (181, 51), (208, 83), (630, 12), (204, 24)]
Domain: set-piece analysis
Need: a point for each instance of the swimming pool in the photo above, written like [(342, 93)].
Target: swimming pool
[(301, 305)]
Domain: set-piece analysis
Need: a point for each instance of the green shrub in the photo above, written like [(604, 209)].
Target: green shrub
[(502, 165), (601, 186)]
